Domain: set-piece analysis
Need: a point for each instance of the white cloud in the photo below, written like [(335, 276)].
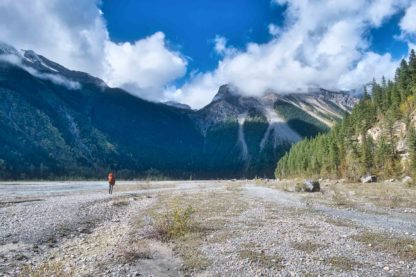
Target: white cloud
[(145, 66), (70, 32), (322, 44), (56, 79), (274, 30), (371, 64), (74, 34), (408, 22), (221, 47)]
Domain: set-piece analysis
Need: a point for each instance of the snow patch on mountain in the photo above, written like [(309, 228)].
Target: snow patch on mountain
[(241, 137), (31, 63), (33, 58), (6, 49), (281, 131), (306, 109), (177, 105)]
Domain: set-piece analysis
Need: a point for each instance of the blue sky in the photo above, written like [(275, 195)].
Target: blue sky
[(191, 26), (383, 38), (183, 50)]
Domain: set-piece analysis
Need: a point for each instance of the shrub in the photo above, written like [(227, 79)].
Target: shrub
[(174, 223)]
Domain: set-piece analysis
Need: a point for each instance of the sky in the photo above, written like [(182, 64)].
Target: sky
[(182, 50)]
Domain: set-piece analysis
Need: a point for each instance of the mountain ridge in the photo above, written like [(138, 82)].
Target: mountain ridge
[(73, 122)]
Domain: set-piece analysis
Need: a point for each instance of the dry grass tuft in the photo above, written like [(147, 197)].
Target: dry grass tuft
[(120, 202), (188, 247), (307, 246), (50, 269), (343, 263), (340, 199), (403, 247), (262, 259), (137, 250)]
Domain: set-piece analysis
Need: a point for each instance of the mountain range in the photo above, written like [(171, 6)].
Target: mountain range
[(59, 123)]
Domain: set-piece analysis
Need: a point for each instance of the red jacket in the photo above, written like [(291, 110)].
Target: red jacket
[(111, 179)]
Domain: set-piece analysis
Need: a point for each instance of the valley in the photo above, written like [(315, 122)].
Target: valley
[(64, 124), (207, 138)]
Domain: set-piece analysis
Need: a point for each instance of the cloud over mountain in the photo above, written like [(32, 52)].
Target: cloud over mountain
[(74, 33), (320, 44)]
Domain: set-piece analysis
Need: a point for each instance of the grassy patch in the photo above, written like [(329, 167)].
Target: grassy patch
[(136, 250), (339, 198), (120, 202), (50, 268), (307, 246), (173, 223), (405, 248), (389, 195), (189, 221), (262, 259), (212, 211), (188, 248), (343, 263)]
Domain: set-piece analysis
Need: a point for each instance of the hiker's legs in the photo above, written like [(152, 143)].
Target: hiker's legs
[(110, 189)]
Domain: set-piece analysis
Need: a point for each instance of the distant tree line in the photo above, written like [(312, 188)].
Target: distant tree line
[(349, 151)]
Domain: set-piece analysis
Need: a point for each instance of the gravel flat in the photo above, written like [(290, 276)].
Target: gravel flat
[(249, 229)]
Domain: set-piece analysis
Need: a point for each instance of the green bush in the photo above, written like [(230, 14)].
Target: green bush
[(174, 223)]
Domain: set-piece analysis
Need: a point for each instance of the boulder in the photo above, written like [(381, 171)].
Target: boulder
[(407, 179), (369, 179), (312, 186)]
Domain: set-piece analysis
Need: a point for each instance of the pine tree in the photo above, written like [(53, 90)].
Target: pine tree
[(412, 72), (382, 158), (403, 80), (366, 155), (412, 64), (376, 94)]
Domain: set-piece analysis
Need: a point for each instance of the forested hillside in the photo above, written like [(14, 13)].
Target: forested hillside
[(59, 123), (378, 137)]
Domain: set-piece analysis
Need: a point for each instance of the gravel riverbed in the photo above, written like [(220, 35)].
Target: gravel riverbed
[(249, 229)]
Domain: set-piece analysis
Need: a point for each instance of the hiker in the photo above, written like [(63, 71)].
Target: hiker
[(111, 182)]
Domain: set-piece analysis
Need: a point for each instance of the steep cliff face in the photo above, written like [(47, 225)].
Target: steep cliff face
[(399, 134), (263, 128), (58, 122)]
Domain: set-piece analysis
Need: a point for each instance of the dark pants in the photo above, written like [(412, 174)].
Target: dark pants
[(110, 189)]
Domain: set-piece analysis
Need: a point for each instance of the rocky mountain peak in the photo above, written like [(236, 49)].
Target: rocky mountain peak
[(226, 93), (6, 49), (177, 105)]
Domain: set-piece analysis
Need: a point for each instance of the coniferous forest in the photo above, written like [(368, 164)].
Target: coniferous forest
[(377, 138)]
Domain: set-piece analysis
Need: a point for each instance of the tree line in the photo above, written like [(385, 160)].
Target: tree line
[(373, 139)]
